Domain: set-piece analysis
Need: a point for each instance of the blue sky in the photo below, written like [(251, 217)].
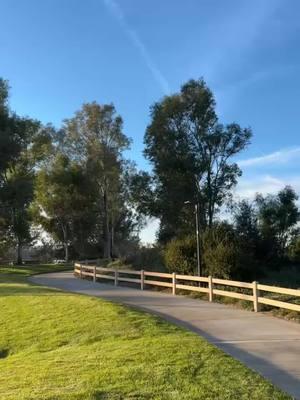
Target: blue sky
[(58, 54)]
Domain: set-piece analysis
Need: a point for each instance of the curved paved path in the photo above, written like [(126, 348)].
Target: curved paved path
[(266, 344)]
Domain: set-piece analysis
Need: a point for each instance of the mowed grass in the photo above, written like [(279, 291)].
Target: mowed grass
[(56, 345)]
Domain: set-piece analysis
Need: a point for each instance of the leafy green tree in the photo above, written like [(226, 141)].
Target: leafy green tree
[(248, 240), (94, 137), (245, 221), (191, 156), (63, 201), (73, 182), (16, 195), (278, 217), (10, 133), (19, 143)]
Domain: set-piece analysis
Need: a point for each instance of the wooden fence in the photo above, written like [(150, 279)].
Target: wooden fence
[(253, 292)]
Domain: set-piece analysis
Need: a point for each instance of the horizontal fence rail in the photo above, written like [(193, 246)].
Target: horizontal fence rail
[(252, 292)]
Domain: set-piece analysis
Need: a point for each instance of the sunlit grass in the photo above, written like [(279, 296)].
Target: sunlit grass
[(56, 345)]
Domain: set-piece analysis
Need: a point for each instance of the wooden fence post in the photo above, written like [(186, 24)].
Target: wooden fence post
[(116, 277), (210, 288), (255, 297), (174, 283), (142, 279)]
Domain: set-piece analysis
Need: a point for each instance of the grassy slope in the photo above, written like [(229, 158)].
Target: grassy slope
[(56, 345)]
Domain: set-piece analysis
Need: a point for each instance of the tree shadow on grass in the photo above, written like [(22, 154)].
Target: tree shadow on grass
[(100, 395), (4, 353)]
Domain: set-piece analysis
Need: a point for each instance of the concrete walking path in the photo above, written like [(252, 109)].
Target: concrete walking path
[(269, 345)]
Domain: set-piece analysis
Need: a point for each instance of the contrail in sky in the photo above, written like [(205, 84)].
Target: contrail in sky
[(118, 14)]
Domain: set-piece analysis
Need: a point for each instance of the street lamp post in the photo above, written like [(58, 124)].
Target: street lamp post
[(199, 269)]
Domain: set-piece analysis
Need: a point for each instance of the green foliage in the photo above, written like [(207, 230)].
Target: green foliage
[(142, 193), (294, 250), (73, 183), (245, 221), (17, 162), (278, 216), (94, 138), (4, 88), (10, 134), (219, 251), (62, 201), (248, 241), (266, 233), (191, 157), (82, 195), (147, 257), (181, 255), (4, 247)]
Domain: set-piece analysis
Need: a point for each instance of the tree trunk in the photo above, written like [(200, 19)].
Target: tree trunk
[(211, 214), (66, 252), (19, 253), (66, 247), (107, 236), (112, 242), (210, 197)]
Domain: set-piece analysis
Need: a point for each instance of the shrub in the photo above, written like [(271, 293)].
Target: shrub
[(116, 263), (181, 255), (219, 251), (294, 250), (147, 257)]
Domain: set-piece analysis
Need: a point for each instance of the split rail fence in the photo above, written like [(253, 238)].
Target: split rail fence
[(253, 292)]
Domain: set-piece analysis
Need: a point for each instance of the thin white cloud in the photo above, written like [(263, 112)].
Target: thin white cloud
[(248, 187), (118, 14), (278, 157)]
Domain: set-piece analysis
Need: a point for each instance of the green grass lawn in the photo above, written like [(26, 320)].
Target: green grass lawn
[(56, 345)]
